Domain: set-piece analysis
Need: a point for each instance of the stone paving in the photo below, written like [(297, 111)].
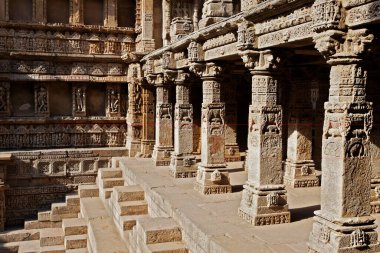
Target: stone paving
[(210, 222)]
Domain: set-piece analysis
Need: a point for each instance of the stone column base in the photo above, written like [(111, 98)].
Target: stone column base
[(134, 147), (162, 155), (147, 147), (183, 166), (267, 206), (232, 153), (300, 174), (329, 237), (375, 195), (212, 181)]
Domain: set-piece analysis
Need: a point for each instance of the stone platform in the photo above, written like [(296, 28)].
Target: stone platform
[(210, 223)]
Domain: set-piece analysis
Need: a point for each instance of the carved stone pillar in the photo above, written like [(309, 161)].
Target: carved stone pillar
[(183, 163), (5, 159), (264, 200), (39, 11), (145, 41), (79, 100), (41, 100), (344, 223), (4, 99), (110, 13), (299, 165), (214, 11), (76, 12), (164, 125), (166, 20), (212, 177), (147, 136), (231, 152), (134, 114), (114, 102)]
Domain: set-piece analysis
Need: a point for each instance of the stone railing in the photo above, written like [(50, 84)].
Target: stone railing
[(62, 136), (66, 40)]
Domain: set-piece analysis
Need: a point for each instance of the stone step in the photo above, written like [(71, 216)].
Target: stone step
[(128, 193), (72, 200), (20, 235), (110, 173), (10, 247), (75, 226), (103, 236), (51, 237), (44, 216), (138, 207), (110, 182), (35, 224), (83, 250), (76, 241), (53, 249), (92, 208), (129, 221), (167, 247), (88, 191), (158, 230), (30, 246), (105, 193), (61, 211)]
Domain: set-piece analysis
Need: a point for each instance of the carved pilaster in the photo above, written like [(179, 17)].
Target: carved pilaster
[(183, 163), (134, 114), (148, 118), (110, 13), (79, 100), (164, 123), (264, 200), (41, 100), (5, 109), (299, 164), (76, 11), (231, 151), (344, 222), (212, 177)]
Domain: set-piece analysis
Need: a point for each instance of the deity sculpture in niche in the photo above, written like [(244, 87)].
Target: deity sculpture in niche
[(42, 101), (114, 101), (216, 121), (79, 100)]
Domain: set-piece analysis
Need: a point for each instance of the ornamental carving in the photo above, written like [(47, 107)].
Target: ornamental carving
[(339, 44), (195, 52), (79, 100), (245, 36), (41, 100), (326, 15), (358, 239), (64, 42)]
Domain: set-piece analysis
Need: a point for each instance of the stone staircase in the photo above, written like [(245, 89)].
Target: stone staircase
[(106, 217)]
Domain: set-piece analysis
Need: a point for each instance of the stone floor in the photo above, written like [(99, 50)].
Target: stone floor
[(211, 224)]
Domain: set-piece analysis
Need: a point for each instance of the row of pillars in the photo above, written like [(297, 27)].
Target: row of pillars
[(344, 221)]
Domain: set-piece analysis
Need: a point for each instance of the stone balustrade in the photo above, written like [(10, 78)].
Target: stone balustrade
[(62, 135), (66, 40)]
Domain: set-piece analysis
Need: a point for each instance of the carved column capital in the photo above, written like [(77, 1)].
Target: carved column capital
[(260, 60), (206, 70), (341, 47)]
